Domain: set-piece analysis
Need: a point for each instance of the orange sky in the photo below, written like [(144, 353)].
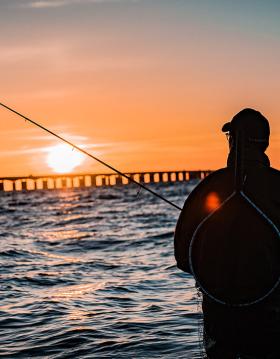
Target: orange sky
[(144, 85)]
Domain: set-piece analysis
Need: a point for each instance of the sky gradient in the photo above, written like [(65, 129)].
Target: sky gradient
[(143, 84)]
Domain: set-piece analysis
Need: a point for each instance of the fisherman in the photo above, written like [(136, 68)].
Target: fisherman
[(249, 331)]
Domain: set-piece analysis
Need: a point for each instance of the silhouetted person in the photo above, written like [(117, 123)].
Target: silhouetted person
[(223, 245)]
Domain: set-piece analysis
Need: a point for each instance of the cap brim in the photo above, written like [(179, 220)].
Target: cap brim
[(226, 127)]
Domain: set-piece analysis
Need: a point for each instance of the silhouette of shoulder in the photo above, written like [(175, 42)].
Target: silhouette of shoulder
[(261, 185), (220, 181)]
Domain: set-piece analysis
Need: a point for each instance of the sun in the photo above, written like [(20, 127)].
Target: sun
[(63, 159)]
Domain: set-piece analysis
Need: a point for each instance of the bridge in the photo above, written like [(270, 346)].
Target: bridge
[(63, 181)]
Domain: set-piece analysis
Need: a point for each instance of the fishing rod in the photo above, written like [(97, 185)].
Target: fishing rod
[(91, 156)]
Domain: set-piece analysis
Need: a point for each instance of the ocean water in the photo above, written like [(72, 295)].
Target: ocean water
[(90, 273)]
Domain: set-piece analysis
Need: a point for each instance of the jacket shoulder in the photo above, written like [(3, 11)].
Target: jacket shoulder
[(213, 180)]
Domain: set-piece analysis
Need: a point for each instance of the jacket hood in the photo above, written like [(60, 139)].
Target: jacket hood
[(253, 157)]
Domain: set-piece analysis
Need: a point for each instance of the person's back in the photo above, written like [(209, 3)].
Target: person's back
[(255, 329)]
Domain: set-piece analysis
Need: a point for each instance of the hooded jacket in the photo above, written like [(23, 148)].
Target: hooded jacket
[(262, 185), (253, 330)]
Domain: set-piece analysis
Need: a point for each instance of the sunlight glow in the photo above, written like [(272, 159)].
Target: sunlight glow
[(212, 201), (62, 159)]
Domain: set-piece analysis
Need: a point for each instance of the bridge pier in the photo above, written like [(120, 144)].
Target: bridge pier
[(169, 176), (119, 180), (93, 181), (64, 183), (160, 176), (23, 185), (82, 182), (141, 177), (103, 181), (44, 184)]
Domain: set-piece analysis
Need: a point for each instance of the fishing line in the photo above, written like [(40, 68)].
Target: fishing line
[(91, 156)]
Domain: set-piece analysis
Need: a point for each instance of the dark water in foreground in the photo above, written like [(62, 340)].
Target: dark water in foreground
[(91, 274)]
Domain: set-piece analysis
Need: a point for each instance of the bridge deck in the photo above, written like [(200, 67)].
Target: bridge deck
[(94, 179)]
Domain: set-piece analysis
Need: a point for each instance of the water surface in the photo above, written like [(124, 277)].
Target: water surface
[(90, 273)]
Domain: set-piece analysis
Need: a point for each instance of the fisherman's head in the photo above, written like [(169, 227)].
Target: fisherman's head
[(255, 128)]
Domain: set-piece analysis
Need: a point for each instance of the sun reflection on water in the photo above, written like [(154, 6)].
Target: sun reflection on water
[(75, 291)]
